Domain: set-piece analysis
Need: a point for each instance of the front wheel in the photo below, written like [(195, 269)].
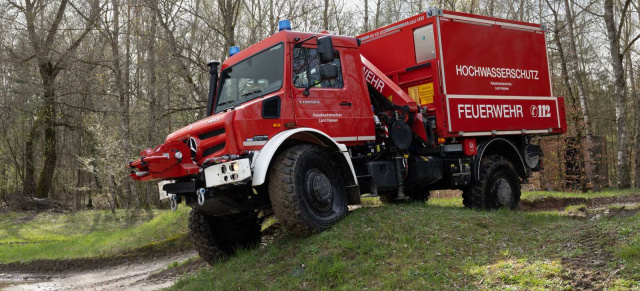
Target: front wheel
[(498, 186), (306, 189), (215, 237)]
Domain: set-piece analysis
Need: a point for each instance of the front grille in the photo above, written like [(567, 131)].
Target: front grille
[(211, 134), (213, 149)]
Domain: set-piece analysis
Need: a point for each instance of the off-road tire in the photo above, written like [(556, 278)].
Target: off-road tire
[(295, 182), (482, 195), (218, 237)]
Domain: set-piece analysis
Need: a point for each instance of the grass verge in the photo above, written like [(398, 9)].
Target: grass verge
[(436, 246), (27, 237)]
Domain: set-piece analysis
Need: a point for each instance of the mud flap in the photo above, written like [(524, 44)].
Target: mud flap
[(353, 195)]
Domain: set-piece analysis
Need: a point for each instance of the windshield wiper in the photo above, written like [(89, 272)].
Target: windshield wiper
[(227, 103), (252, 92)]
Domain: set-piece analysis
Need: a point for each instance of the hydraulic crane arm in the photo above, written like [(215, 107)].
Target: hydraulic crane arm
[(385, 86)]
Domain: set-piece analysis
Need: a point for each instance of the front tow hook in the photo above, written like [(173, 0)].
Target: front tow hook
[(200, 194)]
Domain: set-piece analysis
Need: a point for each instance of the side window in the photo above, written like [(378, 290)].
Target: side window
[(306, 69), (424, 43)]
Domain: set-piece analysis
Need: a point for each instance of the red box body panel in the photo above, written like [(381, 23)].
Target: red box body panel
[(492, 60), (490, 76)]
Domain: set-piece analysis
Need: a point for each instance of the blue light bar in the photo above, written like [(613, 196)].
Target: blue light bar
[(233, 50), (284, 25)]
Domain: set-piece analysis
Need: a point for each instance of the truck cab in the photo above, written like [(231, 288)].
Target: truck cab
[(300, 125)]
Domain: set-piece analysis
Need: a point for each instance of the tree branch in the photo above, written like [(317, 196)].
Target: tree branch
[(630, 44), (622, 17), (55, 24)]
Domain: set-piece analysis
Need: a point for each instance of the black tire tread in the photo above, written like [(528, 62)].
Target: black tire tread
[(202, 237), (216, 238), (474, 195), (282, 192)]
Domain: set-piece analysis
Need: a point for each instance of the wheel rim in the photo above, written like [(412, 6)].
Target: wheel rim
[(319, 192), (503, 191)]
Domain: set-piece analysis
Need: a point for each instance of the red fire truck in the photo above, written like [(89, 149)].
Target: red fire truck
[(300, 125)]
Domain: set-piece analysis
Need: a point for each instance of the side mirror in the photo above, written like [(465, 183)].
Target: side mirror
[(329, 72), (325, 49)]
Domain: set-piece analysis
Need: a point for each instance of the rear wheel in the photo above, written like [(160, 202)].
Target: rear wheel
[(307, 191), (498, 186), (215, 237)]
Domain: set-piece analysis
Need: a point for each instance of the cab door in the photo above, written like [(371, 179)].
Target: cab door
[(327, 105)]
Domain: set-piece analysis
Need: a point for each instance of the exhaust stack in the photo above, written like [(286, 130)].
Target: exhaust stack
[(213, 84)]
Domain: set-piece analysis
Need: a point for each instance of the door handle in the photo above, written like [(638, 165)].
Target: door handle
[(345, 103)]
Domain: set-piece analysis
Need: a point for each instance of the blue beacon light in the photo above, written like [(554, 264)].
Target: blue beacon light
[(284, 24), (233, 50)]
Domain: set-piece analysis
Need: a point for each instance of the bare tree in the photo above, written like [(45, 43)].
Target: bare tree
[(574, 71), (51, 57), (617, 56)]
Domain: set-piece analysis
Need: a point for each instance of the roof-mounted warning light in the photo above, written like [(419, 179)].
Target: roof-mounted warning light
[(434, 11), (233, 50), (284, 24)]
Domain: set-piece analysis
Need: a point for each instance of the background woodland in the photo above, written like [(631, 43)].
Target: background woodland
[(86, 84)]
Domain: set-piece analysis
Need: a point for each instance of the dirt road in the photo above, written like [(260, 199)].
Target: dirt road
[(150, 274)]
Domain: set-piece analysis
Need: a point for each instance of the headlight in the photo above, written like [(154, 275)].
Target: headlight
[(178, 155), (235, 167)]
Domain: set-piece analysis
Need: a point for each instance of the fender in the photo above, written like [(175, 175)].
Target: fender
[(509, 150), (262, 159)]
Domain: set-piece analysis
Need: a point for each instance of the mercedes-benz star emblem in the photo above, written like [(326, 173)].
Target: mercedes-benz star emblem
[(193, 146)]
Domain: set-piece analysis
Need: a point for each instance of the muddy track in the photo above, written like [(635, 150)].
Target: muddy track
[(553, 203), (178, 244), (141, 269), (585, 270), (148, 274)]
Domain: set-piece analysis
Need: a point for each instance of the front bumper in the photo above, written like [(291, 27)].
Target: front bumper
[(229, 173), (171, 160)]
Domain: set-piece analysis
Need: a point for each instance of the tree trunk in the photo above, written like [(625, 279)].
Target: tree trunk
[(153, 98), (377, 16), (29, 183), (272, 19), (366, 16), (325, 15), (120, 84), (635, 96), (491, 7), (590, 165), (623, 180), (45, 182), (229, 10)]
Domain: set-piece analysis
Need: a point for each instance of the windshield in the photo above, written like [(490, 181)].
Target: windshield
[(257, 75)]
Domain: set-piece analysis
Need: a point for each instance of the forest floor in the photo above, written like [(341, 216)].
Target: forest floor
[(558, 241)]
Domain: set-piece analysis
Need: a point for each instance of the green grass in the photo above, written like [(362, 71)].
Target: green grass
[(433, 246), (91, 233)]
